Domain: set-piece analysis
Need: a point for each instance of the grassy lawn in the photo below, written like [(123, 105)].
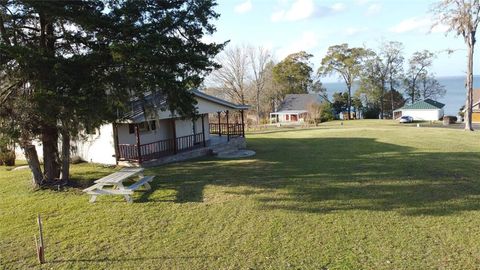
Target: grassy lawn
[(362, 195)]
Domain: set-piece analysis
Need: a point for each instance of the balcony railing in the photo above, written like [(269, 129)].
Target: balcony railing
[(158, 149), (231, 130)]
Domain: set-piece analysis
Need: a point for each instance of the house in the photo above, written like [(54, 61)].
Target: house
[(159, 136), (423, 110), (476, 106), (294, 108)]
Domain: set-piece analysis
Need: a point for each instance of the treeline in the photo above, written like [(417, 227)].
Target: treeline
[(377, 81)]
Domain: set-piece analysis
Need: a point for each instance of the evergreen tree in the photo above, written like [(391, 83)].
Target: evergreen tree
[(70, 65)]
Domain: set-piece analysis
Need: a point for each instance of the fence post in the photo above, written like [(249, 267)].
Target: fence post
[(203, 131), (139, 152), (228, 128), (219, 125), (243, 125)]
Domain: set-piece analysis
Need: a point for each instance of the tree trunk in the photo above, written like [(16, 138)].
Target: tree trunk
[(65, 155), (469, 84), (391, 97), (34, 164), (349, 101), (382, 100), (258, 107), (51, 164)]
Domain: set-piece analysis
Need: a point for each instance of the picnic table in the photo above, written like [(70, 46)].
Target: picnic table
[(114, 182)]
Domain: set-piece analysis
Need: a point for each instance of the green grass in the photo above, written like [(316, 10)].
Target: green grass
[(362, 195)]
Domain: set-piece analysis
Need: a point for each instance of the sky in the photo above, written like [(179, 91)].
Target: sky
[(288, 26)]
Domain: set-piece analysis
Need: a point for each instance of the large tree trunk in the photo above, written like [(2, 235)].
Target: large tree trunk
[(469, 84), (51, 164), (65, 155), (34, 164)]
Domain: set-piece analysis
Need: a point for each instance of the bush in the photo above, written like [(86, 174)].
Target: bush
[(76, 160), (7, 158), (371, 112), (327, 112)]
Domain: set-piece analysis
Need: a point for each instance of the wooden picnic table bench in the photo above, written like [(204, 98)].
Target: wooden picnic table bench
[(115, 180)]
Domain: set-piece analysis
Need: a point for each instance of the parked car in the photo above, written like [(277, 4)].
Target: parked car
[(406, 119)]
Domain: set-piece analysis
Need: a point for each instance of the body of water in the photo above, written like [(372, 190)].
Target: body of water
[(453, 99)]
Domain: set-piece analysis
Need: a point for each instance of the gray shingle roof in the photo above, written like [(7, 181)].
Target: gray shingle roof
[(158, 100), (426, 104), (298, 101)]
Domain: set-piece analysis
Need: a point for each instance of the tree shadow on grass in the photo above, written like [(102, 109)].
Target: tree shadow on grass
[(323, 175)]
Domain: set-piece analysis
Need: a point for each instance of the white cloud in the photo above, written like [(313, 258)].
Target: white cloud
[(419, 25), (338, 7), (373, 9), (363, 2), (299, 10), (351, 31), (243, 7), (304, 9), (307, 41)]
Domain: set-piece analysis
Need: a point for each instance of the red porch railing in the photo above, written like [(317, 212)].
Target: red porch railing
[(232, 130), (160, 148)]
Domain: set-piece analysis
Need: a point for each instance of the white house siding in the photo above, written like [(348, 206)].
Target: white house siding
[(20, 155), (97, 148), (424, 115), (205, 106), (163, 131), (282, 117)]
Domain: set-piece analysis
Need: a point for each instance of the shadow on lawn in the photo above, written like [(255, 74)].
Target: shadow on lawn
[(118, 260), (322, 175)]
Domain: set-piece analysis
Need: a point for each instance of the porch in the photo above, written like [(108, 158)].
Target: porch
[(210, 135)]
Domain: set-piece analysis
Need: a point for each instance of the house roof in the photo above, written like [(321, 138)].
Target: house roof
[(298, 102), (220, 101), (426, 104), (159, 101)]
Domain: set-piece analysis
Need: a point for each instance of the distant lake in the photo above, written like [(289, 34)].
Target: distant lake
[(453, 99)]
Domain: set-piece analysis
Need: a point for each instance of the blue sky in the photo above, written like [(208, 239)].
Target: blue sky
[(287, 26)]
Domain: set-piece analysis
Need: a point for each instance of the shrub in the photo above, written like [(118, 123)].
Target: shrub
[(327, 112), (7, 158), (76, 160), (371, 112)]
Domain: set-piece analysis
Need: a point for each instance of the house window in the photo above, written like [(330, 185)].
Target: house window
[(287, 117), (143, 126)]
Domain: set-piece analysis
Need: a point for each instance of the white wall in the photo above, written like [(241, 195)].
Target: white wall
[(282, 117), (97, 148), (424, 115), (19, 154), (100, 147), (184, 127), (163, 131), (205, 106)]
